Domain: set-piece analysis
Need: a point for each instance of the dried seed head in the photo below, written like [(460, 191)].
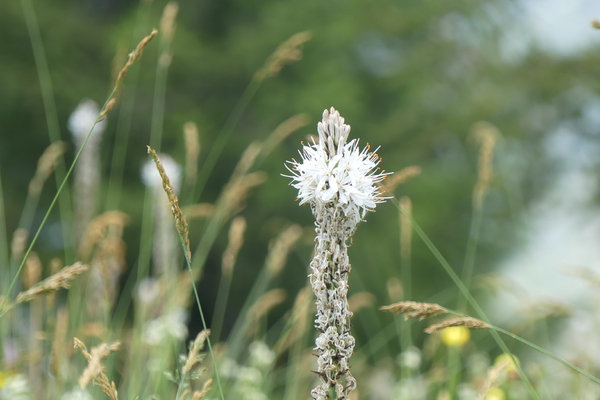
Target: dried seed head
[(197, 345), (485, 134), (395, 289), (405, 227), (285, 129), (33, 270), (192, 151), (135, 55), (95, 369), (286, 53), (198, 395), (280, 248), (412, 309), (180, 221), (469, 322), (46, 164), (360, 300), (202, 210), (399, 178), (60, 280), (266, 303), (236, 240), (167, 22)]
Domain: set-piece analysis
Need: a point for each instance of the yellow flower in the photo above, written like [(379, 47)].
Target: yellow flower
[(495, 393), (505, 358), (455, 336), (4, 376)]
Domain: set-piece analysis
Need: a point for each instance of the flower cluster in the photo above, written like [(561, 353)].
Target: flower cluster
[(336, 173)]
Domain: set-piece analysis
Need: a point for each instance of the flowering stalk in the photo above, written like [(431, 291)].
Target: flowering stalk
[(340, 182)]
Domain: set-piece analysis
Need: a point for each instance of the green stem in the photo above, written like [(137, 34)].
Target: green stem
[(51, 116)]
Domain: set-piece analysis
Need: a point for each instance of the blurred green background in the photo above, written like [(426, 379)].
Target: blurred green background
[(409, 76)]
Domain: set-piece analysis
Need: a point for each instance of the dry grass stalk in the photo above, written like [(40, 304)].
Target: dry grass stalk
[(469, 322), (118, 60), (398, 178), (33, 270), (55, 265), (18, 243), (135, 55), (484, 134), (405, 228), (266, 303), (61, 328), (412, 309), (285, 129), (395, 289), (300, 319), (493, 378), (236, 192), (236, 240), (200, 394), (192, 151), (167, 22), (541, 310), (193, 355), (45, 166), (360, 300), (286, 53), (109, 106), (201, 210), (95, 369), (99, 228), (596, 23), (60, 280), (180, 221), (246, 160), (280, 248)]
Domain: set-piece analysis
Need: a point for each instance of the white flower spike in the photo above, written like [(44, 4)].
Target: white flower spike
[(334, 173), (340, 182)]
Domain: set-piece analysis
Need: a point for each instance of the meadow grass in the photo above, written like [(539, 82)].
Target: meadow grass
[(95, 342)]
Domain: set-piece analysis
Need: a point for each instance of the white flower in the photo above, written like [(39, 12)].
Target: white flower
[(335, 173), (151, 177), (83, 118), (15, 388), (260, 354), (172, 325), (77, 394)]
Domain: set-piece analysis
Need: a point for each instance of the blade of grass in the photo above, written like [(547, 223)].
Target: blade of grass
[(51, 120), (465, 292)]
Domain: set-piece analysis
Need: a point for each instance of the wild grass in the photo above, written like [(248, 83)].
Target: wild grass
[(138, 344)]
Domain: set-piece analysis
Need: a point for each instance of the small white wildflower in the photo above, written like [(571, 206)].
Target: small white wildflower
[(250, 375), (172, 325), (82, 119), (15, 387), (148, 290), (260, 354), (228, 368), (77, 394), (411, 358)]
